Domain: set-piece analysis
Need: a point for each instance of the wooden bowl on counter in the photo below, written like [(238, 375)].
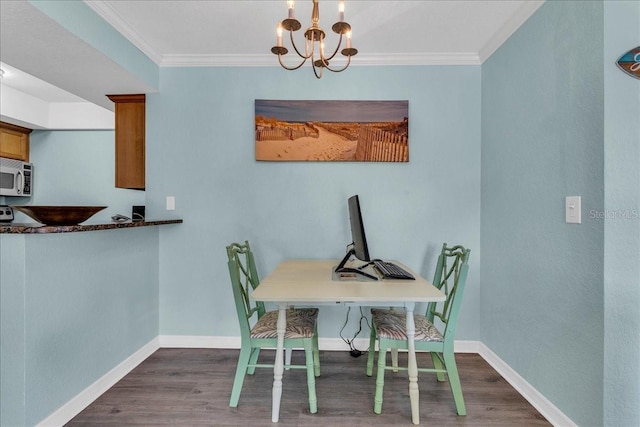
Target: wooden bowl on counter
[(59, 215)]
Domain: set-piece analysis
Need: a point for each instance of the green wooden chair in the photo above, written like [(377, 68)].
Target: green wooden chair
[(258, 327), (389, 328)]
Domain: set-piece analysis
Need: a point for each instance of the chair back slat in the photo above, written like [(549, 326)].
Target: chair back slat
[(244, 279), (450, 278)]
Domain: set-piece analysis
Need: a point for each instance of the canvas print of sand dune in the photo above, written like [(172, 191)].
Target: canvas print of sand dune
[(330, 131)]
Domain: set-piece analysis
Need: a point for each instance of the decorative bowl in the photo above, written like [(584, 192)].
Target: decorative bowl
[(59, 215)]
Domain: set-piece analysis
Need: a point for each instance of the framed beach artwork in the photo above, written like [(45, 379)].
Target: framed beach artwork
[(331, 131)]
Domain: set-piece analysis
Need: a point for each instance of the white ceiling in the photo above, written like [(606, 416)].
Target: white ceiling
[(214, 32), (241, 33)]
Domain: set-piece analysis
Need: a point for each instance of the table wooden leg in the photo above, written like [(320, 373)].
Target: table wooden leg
[(278, 368), (414, 392)]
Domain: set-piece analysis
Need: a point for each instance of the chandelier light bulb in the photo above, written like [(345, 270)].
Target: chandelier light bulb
[(341, 11), (279, 35), (291, 6)]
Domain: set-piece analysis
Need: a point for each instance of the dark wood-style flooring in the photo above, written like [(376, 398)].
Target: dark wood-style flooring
[(191, 387)]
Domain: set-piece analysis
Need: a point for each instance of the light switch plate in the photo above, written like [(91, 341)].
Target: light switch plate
[(171, 203), (573, 210)]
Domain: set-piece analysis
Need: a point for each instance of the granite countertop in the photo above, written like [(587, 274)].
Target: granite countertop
[(37, 228)]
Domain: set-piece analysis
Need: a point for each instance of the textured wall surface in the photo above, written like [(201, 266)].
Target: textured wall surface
[(621, 218), (542, 131)]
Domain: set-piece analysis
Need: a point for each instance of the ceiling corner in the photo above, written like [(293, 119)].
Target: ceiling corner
[(523, 13)]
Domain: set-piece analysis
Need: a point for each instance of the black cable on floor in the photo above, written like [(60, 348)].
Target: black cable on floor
[(353, 350)]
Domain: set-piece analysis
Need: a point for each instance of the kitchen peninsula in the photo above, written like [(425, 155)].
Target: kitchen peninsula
[(76, 302)]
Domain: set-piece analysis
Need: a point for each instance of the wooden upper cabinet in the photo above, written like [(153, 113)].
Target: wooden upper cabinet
[(130, 140), (14, 142)]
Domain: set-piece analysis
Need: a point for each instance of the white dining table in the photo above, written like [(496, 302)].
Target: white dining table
[(313, 283)]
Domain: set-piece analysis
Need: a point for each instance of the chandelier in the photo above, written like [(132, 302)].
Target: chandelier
[(314, 41)]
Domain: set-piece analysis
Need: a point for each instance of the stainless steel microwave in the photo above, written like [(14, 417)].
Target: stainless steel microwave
[(16, 178)]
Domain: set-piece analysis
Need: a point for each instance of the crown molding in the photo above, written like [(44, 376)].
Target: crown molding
[(442, 58), (113, 18), (269, 60)]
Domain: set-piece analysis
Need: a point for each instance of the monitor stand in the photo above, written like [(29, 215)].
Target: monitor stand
[(345, 259), (348, 271)]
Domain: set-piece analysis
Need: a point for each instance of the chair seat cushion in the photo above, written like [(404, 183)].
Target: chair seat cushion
[(301, 323), (392, 324)]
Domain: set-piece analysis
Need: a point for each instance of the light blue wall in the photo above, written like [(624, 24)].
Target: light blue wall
[(79, 304), (83, 315), (200, 149), (542, 130), (621, 219), (12, 263)]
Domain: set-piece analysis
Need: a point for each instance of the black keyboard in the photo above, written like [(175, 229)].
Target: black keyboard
[(391, 271)]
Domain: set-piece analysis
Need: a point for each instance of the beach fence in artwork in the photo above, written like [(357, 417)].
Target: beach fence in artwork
[(373, 144), (290, 132), (377, 145)]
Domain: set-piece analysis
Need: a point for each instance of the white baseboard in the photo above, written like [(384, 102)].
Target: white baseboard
[(66, 412), (554, 415), (461, 346), (88, 395), (198, 341)]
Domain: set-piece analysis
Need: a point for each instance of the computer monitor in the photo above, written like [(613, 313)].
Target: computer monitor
[(358, 246)]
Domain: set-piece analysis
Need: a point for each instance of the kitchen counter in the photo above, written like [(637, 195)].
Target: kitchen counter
[(37, 228)]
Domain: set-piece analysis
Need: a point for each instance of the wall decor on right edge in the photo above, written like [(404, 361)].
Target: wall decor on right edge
[(331, 131), (629, 63)]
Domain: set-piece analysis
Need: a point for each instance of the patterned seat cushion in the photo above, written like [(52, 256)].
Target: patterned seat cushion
[(301, 323), (391, 324)]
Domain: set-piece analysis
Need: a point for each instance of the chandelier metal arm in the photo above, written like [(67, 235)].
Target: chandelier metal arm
[(291, 68), (341, 69), (335, 51), (315, 70), (293, 43)]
